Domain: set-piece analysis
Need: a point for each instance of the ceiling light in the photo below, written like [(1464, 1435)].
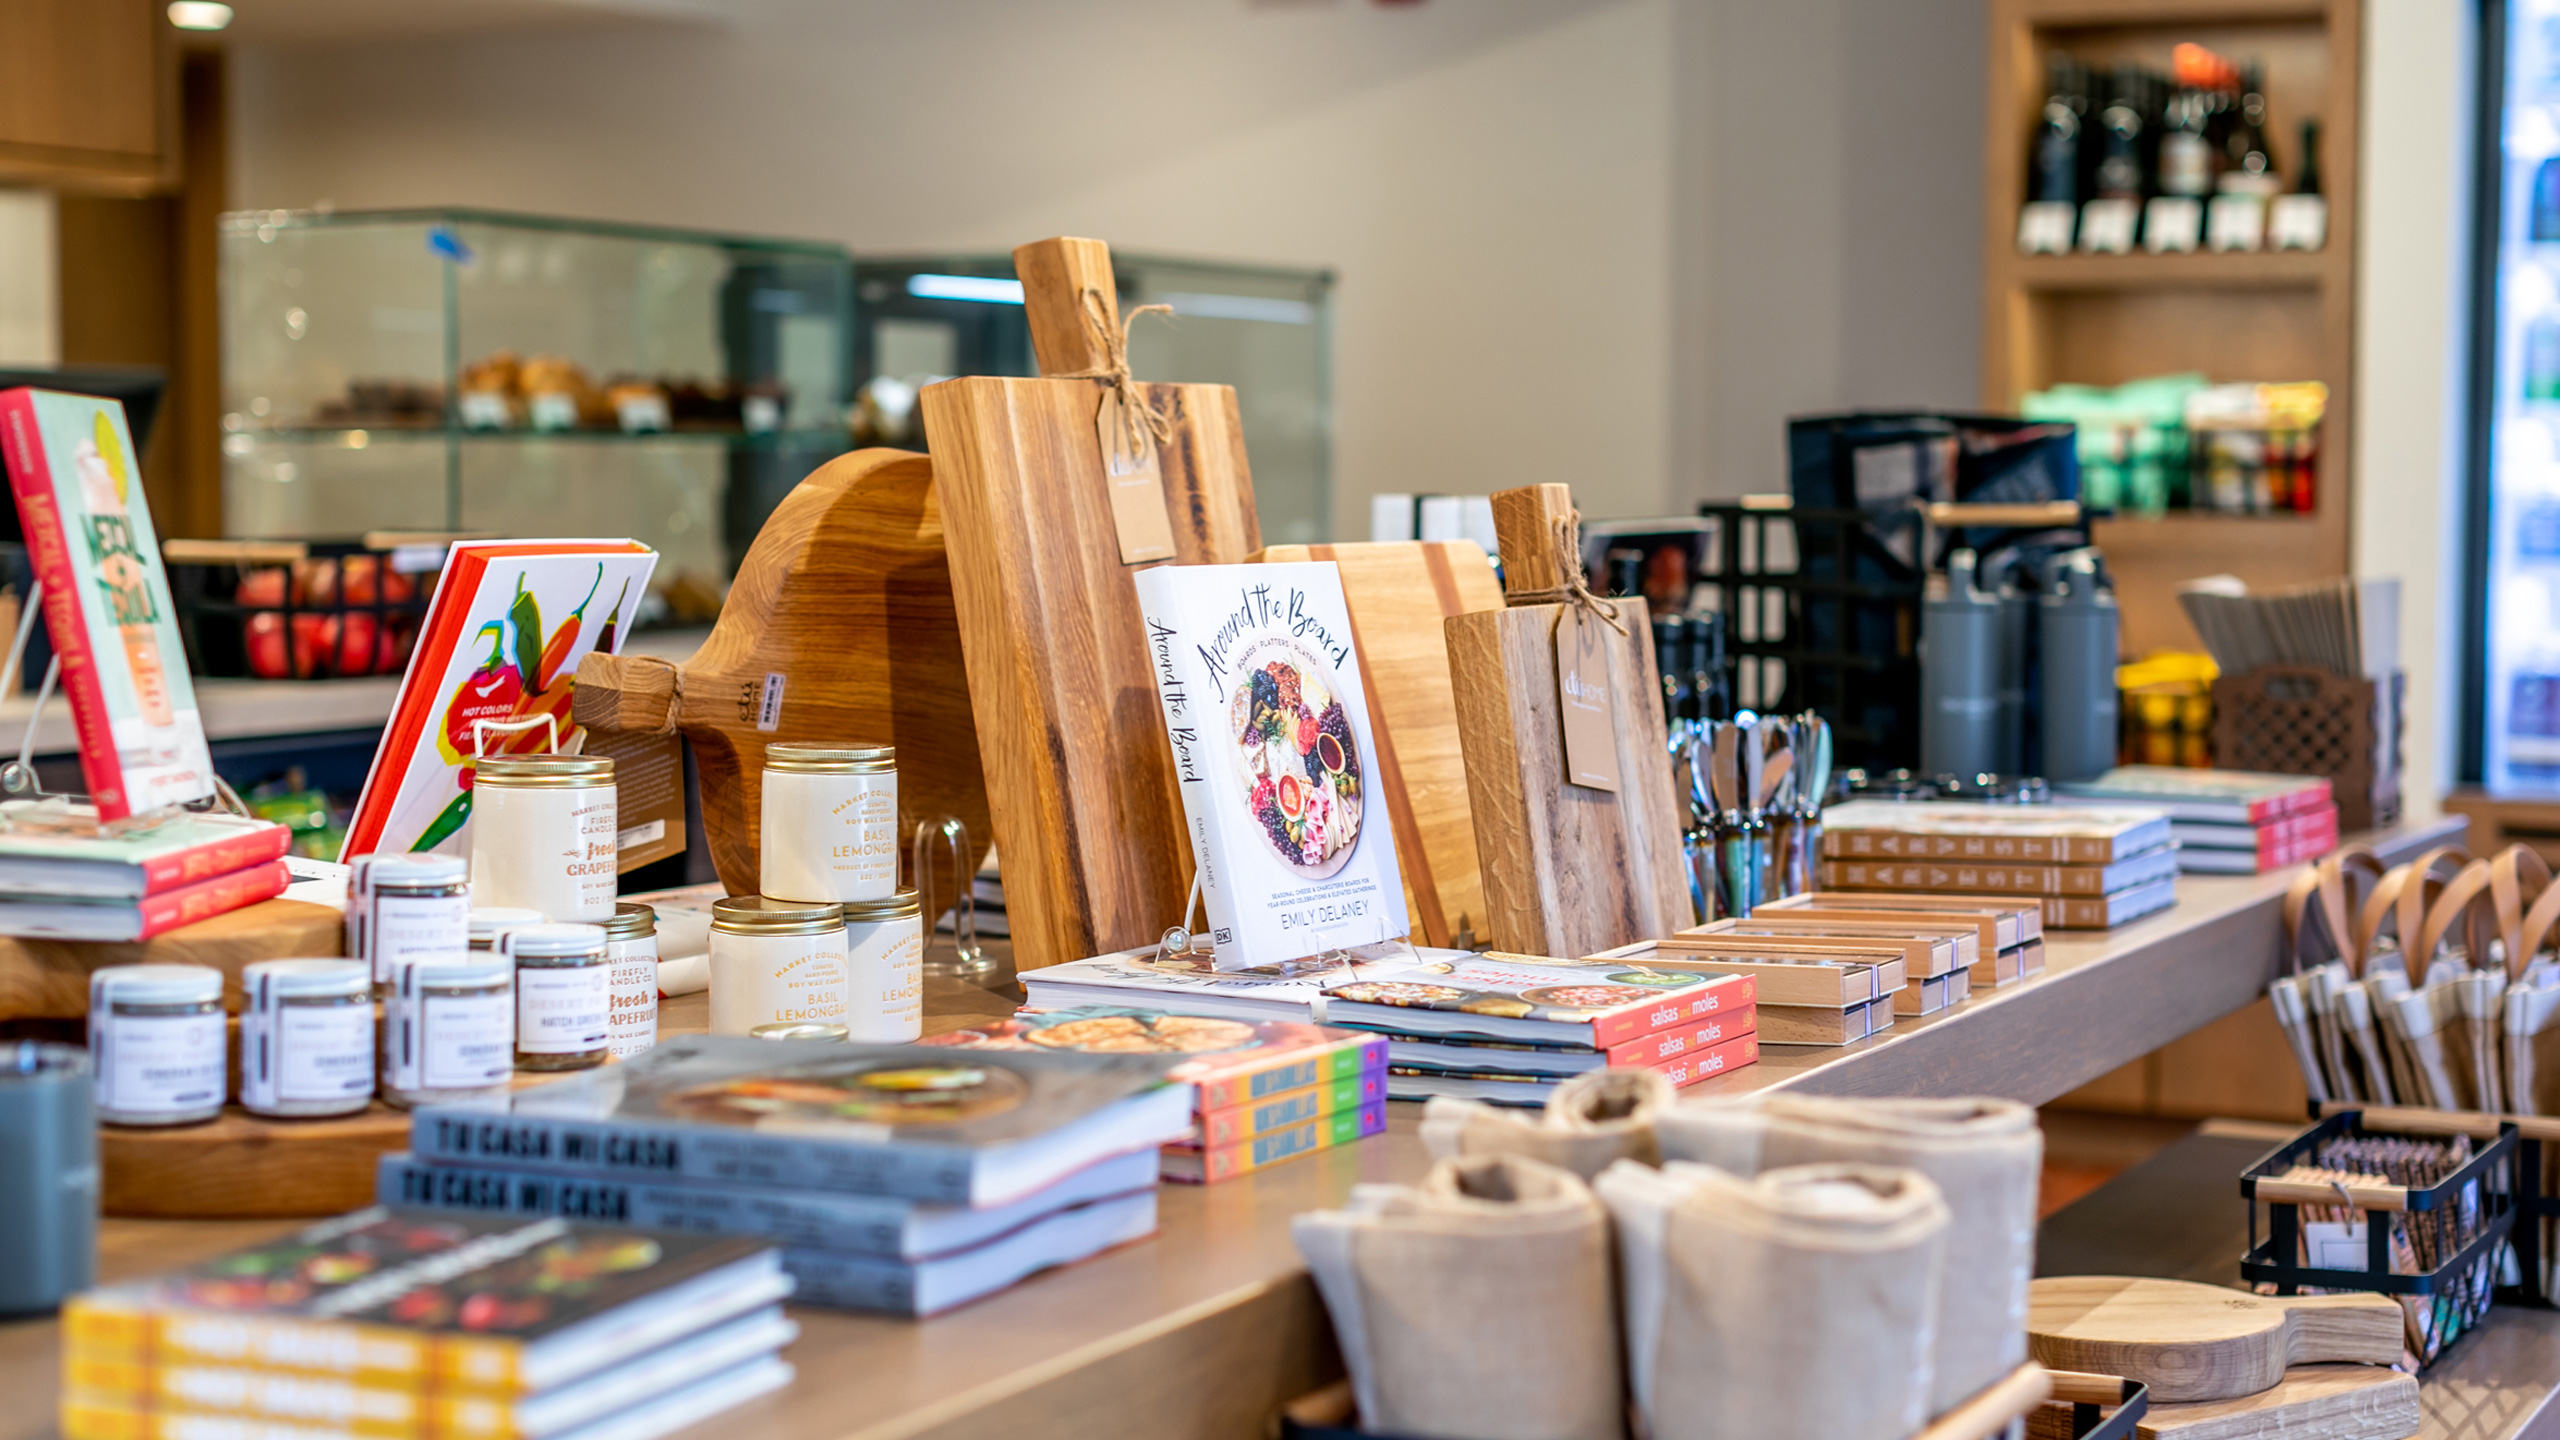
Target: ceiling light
[(986, 289), (199, 14)]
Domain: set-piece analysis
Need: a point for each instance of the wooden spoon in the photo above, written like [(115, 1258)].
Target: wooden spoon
[(2201, 1342)]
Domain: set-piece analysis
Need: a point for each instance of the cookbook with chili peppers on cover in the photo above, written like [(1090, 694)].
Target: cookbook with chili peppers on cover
[(503, 636)]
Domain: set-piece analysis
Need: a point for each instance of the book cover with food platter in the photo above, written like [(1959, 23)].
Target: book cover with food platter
[(1260, 680)]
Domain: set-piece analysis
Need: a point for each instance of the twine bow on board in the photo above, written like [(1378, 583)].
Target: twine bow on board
[(1141, 420), (1576, 589)]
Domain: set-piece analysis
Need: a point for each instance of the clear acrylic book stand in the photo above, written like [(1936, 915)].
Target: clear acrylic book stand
[(26, 807)]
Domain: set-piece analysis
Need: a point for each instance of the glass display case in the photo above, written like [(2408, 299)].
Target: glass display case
[(457, 370), (1266, 331)]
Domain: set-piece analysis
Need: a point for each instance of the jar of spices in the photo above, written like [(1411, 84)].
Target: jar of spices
[(830, 822), (542, 835), (798, 1030), (157, 1041), (884, 968), (405, 905), (774, 961), (631, 956), (451, 1030), (564, 996), (306, 1038)]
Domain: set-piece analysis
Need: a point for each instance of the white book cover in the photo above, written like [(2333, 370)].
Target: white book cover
[(1260, 681)]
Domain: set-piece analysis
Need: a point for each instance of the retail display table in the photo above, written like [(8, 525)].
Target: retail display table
[(1203, 1330)]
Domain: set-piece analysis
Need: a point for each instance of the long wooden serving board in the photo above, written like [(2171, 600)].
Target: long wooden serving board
[(1079, 775), (1401, 595)]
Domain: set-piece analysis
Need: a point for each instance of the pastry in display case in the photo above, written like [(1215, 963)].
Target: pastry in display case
[(477, 372), (1265, 330)]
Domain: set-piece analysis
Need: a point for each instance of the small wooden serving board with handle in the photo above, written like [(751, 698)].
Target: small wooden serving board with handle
[(2192, 1342)]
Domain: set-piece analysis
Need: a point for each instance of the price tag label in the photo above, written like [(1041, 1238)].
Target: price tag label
[(2173, 224), (2106, 226), (2236, 222), (1135, 477), (484, 410), (2044, 227), (2298, 222), (1583, 700), (641, 414), (553, 412)]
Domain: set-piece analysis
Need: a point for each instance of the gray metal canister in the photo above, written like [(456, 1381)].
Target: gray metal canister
[(1959, 674), (2077, 626), (48, 1176), (2017, 628)]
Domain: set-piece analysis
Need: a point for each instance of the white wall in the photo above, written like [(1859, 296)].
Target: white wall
[(1491, 179), (2410, 300)]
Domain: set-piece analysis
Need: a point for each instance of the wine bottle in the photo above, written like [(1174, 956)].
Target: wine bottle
[(2186, 157), (2248, 164), (2306, 180), (2057, 157), (2120, 174)]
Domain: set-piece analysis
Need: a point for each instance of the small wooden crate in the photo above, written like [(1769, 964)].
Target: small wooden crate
[(2300, 720)]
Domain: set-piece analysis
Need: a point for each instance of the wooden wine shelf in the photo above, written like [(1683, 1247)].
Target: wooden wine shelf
[(2296, 269)]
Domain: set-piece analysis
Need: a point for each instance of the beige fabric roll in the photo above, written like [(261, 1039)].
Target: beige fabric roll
[(2320, 987), (1589, 1121), (2533, 1049), (2288, 996), (1744, 1298), (1985, 1156), (1478, 1305), (2364, 1037)]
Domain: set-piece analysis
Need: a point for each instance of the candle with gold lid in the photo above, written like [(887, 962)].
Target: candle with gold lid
[(829, 826)]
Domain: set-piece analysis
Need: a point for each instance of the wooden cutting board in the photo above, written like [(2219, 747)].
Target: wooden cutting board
[(49, 979), (2311, 1402), (839, 628), (1401, 594), (1567, 870), (1079, 774), (240, 1166), (2192, 1342)]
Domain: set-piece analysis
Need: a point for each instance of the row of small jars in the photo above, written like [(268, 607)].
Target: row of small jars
[(525, 995), (832, 940)]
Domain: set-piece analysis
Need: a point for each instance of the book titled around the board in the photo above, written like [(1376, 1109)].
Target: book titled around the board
[(960, 1127)]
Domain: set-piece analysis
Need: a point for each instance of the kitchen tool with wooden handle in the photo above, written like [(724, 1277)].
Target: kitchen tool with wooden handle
[(2201, 1342)]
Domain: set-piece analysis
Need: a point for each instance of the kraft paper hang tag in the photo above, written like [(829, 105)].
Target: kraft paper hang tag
[(1583, 700), (2334, 1244), (1136, 479), (648, 784)]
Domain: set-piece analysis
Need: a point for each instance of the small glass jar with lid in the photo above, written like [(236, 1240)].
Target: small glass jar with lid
[(830, 822), (775, 961), (450, 1033), (543, 836), (631, 951), (306, 1038), (884, 968), (159, 1043), (488, 922), (564, 996), (404, 905)]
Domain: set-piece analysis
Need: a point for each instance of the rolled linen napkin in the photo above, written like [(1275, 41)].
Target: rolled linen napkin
[(1590, 1120), (1477, 1305), (1745, 1296), (1985, 1156)]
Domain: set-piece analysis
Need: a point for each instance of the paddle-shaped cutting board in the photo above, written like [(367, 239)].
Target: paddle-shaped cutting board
[(2312, 1402), (1567, 869), (1079, 774), (1401, 594), (839, 629), (2192, 1342)]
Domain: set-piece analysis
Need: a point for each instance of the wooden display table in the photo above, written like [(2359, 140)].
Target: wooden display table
[(1204, 1330)]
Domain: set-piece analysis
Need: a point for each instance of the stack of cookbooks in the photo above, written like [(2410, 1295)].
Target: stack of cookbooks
[(2228, 822), (412, 1325), (2092, 867), (904, 1178), (59, 883), (1509, 1028), (1190, 983), (1266, 1091)]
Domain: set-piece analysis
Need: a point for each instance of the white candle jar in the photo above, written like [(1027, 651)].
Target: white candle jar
[(564, 995), (774, 962), (306, 1038), (408, 905), (451, 1030), (884, 969), (157, 1041), (631, 957), (829, 825), (488, 922), (542, 835)]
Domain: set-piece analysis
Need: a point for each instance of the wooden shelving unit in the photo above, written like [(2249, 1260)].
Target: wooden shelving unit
[(2106, 319)]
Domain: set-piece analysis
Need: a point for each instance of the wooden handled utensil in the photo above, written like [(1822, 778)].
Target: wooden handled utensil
[(2201, 1342)]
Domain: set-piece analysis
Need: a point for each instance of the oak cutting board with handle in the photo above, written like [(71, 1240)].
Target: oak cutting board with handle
[(1079, 774), (839, 629), (1567, 869), (2192, 1342), (2311, 1402), (1401, 593)]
